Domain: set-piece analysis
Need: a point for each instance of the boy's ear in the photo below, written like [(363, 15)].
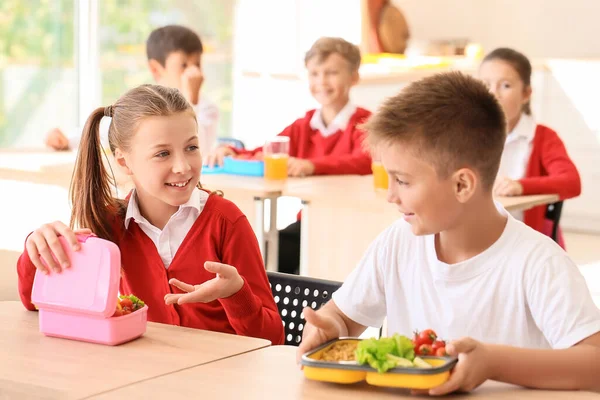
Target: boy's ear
[(465, 182), (527, 94), (355, 77), (122, 162), (155, 69)]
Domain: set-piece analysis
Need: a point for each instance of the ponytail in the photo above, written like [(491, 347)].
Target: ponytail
[(90, 190)]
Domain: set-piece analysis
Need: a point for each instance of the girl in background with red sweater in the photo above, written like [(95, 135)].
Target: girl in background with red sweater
[(534, 160), (325, 141), (189, 254)]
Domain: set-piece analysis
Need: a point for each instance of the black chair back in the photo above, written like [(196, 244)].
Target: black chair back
[(292, 293)]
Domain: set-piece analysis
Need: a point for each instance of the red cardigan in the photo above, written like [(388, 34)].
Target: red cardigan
[(341, 153), (221, 233), (550, 170)]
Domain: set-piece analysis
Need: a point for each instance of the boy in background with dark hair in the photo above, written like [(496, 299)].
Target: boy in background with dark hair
[(174, 60)]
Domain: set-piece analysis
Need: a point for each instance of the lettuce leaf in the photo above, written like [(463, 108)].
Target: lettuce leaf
[(375, 352)]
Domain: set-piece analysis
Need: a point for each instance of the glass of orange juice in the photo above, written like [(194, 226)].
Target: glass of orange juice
[(276, 153), (380, 176)]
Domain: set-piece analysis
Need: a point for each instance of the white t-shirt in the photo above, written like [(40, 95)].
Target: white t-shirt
[(522, 291), (207, 115)]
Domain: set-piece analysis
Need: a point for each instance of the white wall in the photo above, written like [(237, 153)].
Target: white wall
[(539, 28)]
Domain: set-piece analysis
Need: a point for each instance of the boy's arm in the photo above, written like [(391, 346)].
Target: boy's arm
[(357, 162), (207, 115), (358, 303), (575, 368)]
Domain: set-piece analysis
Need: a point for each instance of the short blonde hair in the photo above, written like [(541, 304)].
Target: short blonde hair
[(326, 46), (452, 121)]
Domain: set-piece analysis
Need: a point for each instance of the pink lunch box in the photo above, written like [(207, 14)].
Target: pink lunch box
[(79, 302)]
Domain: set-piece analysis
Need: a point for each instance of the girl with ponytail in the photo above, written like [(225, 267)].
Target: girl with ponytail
[(189, 254)]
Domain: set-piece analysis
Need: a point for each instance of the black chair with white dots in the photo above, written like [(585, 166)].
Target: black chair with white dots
[(292, 293)]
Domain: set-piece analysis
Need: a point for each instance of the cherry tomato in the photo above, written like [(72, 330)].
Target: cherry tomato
[(428, 336), (118, 313), (126, 311), (127, 303), (441, 352), (438, 344), (425, 350)]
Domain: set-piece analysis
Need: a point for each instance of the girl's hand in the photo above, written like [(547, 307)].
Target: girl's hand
[(43, 244), (508, 187), (227, 283)]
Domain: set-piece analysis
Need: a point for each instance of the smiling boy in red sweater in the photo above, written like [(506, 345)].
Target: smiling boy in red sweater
[(325, 141)]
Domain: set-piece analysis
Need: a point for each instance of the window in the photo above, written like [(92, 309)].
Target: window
[(38, 79), (124, 26)]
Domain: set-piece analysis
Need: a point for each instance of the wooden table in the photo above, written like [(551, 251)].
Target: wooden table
[(342, 215), (36, 366), (272, 373)]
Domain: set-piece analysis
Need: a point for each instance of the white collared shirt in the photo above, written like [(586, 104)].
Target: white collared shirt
[(339, 122), (168, 240), (517, 151)]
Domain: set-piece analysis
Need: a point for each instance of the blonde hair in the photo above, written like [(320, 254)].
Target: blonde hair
[(90, 191), (326, 46), (452, 121)]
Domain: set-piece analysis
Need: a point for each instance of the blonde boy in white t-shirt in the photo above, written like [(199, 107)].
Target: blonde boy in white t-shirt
[(514, 305)]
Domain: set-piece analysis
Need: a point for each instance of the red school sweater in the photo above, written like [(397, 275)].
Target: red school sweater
[(221, 233), (549, 170), (341, 153)]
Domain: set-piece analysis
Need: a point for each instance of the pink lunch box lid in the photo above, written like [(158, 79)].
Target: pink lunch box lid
[(89, 286)]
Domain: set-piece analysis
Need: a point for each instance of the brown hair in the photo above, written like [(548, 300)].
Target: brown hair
[(326, 46), (450, 119), (90, 192), (171, 38), (519, 62)]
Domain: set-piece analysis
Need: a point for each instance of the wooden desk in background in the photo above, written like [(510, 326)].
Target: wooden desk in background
[(253, 195), (342, 215), (272, 373), (35, 366)]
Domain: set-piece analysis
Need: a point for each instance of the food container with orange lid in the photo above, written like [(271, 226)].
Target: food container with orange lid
[(350, 371), (79, 302)]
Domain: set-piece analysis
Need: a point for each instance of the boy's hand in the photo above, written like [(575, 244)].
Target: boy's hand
[(318, 329), (227, 283), (57, 140), (191, 82), (43, 243), (471, 370), (508, 187), (216, 157), (300, 167)]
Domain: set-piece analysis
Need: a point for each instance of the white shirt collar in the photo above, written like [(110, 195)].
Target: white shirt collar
[(195, 203), (525, 129), (339, 122)]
